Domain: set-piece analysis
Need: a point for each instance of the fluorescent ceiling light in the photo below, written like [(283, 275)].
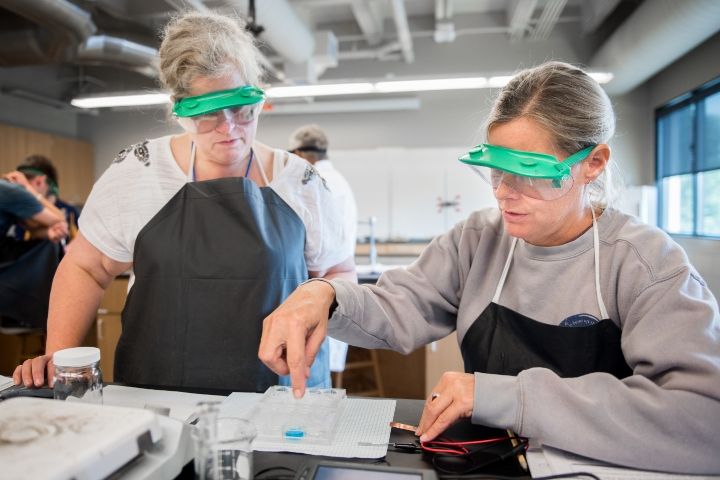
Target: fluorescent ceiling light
[(343, 106), (502, 80), (499, 81), (397, 86), (432, 84), (320, 90), (121, 100), (328, 89), (602, 77)]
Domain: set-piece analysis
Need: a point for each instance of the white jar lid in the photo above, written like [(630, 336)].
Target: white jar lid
[(76, 357)]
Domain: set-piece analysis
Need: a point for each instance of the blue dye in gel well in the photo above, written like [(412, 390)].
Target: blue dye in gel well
[(294, 433)]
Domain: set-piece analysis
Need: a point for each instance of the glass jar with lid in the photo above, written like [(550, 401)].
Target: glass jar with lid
[(77, 375)]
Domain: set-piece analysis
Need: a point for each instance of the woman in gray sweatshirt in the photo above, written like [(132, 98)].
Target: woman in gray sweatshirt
[(579, 325)]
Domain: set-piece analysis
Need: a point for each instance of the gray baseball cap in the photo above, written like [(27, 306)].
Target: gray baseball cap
[(308, 138)]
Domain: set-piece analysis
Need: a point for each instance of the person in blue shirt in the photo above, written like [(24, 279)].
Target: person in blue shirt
[(27, 267), (42, 175), (21, 203)]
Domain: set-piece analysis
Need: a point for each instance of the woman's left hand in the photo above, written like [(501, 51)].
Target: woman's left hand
[(452, 398)]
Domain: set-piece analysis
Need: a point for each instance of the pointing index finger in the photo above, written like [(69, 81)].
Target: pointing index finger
[(295, 354)]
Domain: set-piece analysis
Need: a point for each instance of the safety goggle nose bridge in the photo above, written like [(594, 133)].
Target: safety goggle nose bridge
[(538, 188), (227, 116), (513, 185)]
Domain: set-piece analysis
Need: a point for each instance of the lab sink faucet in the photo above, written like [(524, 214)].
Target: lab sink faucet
[(373, 248)]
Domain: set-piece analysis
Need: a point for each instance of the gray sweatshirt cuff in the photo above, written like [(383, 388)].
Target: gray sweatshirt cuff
[(346, 305), (497, 401)]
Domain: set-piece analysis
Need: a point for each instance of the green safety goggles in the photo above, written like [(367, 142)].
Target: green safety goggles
[(203, 113), (53, 188), (536, 175)]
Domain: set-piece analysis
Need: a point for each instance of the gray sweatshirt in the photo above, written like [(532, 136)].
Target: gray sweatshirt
[(666, 416)]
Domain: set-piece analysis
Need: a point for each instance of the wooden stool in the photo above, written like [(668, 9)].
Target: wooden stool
[(364, 379)]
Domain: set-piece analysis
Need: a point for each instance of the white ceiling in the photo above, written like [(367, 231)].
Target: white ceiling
[(376, 39)]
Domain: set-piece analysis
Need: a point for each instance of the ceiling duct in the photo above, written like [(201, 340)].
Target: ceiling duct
[(103, 49), (283, 30), (59, 15), (65, 33), (656, 34), (64, 26), (29, 47)]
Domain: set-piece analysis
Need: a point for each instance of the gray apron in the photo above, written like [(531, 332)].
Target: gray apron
[(505, 342), (218, 258)]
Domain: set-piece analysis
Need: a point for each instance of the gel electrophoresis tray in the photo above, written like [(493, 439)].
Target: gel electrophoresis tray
[(311, 419)]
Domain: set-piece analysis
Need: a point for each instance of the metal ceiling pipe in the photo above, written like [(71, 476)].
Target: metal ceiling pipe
[(444, 25), (519, 13), (403, 30), (369, 22), (656, 34), (104, 49), (385, 53), (548, 19)]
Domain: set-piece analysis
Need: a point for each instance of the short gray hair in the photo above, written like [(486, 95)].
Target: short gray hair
[(205, 44), (570, 105)]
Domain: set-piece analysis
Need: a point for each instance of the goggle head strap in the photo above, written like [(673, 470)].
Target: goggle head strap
[(53, 188)]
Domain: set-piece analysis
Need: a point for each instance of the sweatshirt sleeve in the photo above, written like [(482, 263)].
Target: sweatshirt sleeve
[(409, 307), (665, 416)]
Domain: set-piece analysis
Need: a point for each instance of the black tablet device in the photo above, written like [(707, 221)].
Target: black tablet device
[(330, 470)]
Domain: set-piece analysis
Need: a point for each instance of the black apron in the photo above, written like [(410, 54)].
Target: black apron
[(209, 267), (504, 342), (27, 269)]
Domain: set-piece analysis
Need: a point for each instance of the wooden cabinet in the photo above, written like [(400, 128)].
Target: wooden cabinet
[(402, 376), (109, 326), (440, 357), (14, 348)]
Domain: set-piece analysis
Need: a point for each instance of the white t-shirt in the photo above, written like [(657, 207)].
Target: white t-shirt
[(343, 195), (145, 176)]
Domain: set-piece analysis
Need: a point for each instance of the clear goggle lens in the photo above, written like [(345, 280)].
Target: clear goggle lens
[(237, 116), (538, 188)]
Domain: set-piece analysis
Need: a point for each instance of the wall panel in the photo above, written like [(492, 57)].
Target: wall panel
[(74, 159)]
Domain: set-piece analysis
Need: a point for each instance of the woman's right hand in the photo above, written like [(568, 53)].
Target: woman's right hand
[(294, 332), (32, 371), (57, 231)]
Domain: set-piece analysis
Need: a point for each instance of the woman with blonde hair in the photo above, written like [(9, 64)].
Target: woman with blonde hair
[(579, 326), (217, 227)]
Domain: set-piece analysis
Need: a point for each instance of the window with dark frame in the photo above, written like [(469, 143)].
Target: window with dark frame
[(688, 162)]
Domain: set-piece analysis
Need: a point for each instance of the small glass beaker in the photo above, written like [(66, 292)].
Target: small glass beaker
[(77, 375), (223, 445)]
